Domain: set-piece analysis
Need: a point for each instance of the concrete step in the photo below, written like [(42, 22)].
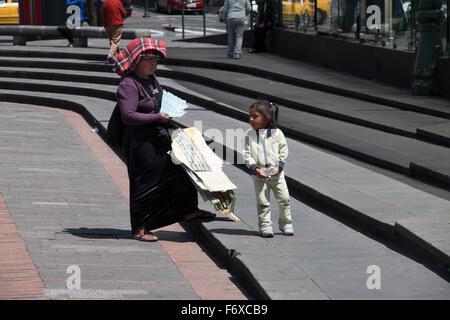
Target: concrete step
[(298, 74), (437, 132), (358, 112), (362, 113), (311, 76), (382, 149), (370, 114), (395, 153)]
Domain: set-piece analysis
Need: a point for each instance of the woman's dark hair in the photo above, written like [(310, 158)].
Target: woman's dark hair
[(268, 109)]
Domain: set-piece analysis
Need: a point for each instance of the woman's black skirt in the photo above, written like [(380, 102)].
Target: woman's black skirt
[(160, 191)]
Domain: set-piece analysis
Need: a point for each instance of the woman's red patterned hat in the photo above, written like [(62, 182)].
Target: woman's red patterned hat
[(128, 58)]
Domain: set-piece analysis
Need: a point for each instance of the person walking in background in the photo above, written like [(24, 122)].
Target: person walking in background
[(264, 22), (265, 153), (64, 29), (113, 13), (92, 12), (235, 12)]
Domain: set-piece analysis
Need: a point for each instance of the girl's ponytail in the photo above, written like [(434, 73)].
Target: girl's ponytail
[(273, 110)]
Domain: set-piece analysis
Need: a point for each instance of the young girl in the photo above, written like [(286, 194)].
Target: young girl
[(265, 153)]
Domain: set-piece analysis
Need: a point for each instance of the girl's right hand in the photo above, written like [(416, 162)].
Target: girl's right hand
[(260, 173), (164, 117)]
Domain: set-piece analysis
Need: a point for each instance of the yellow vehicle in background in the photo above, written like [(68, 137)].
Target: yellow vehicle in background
[(291, 8), (9, 11), (304, 9)]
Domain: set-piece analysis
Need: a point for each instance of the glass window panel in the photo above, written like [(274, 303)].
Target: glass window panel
[(389, 23)]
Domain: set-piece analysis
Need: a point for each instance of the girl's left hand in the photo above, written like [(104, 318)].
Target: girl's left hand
[(275, 171)]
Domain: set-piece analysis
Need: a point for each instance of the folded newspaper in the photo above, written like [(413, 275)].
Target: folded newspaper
[(204, 168), (172, 105)]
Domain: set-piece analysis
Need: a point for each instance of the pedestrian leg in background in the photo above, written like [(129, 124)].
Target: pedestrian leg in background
[(260, 38), (92, 9), (239, 31), (114, 35), (68, 34), (262, 192), (231, 37)]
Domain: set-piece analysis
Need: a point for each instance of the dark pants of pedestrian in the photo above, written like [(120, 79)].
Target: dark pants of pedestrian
[(67, 33), (259, 43)]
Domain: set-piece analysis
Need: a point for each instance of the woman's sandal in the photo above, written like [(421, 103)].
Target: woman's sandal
[(200, 214), (148, 236)]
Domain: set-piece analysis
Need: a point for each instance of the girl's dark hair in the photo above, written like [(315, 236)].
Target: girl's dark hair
[(268, 109)]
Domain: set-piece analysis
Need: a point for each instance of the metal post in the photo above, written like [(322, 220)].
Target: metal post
[(32, 12), (448, 29), (204, 17), (279, 21), (358, 25), (363, 16), (338, 17), (146, 10), (182, 19), (99, 13), (411, 44), (315, 15), (388, 31), (251, 15), (429, 20)]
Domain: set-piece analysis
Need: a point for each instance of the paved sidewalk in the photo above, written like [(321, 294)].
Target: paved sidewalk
[(66, 192), (18, 276)]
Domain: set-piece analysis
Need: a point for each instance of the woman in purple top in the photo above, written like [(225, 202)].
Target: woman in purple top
[(160, 191)]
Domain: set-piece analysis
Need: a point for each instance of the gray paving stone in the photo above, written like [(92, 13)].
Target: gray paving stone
[(294, 290)]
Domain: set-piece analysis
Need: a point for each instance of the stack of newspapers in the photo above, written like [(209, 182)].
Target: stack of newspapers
[(204, 168)]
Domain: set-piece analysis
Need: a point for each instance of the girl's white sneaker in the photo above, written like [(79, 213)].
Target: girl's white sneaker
[(288, 232), (267, 233)]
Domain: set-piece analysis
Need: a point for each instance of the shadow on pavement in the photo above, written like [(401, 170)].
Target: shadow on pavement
[(108, 233), (235, 232)]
